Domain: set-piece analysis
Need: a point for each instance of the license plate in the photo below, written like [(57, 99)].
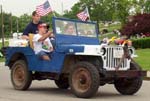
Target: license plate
[(118, 53)]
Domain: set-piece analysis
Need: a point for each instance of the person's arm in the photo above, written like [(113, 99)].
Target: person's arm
[(50, 46), (45, 36), (26, 32), (25, 37)]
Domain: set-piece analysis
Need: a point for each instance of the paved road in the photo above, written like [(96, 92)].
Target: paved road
[(47, 91)]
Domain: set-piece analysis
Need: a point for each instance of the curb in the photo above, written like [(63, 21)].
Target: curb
[(147, 76)]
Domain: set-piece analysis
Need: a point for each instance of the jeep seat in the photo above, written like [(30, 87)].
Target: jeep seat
[(31, 40)]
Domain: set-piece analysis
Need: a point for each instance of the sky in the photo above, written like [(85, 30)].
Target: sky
[(19, 7)]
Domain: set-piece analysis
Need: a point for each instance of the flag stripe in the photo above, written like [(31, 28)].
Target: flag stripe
[(44, 9), (84, 15)]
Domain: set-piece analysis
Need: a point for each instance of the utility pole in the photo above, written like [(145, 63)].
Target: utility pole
[(11, 30), (2, 21), (62, 7), (17, 26)]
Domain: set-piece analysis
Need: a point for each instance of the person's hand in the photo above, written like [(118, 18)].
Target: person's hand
[(51, 49), (51, 34)]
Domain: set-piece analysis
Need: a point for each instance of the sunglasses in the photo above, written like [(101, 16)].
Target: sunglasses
[(45, 27)]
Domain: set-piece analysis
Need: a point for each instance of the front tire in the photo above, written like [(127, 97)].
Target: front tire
[(84, 79), (130, 86), (21, 78)]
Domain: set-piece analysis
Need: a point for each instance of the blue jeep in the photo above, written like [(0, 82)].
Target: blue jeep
[(79, 61)]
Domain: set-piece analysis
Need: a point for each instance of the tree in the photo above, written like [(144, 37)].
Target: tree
[(139, 23), (104, 10), (48, 18), (74, 10), (147, 6), (23, 21)]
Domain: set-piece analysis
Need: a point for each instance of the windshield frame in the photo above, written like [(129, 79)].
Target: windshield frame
[(54, 19)]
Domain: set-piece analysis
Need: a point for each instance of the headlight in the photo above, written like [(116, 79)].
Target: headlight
[(103, 51), (130, 51)]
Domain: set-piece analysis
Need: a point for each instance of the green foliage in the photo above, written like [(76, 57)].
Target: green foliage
[(141, 43), (48, 18), (147, 7), (104, 10), (6, 44), (109, 10), (143, 58), (8, 18), (100, 10), (22, 21), (74, 10)]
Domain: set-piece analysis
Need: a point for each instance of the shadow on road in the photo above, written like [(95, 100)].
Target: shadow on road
[(51, 91), (66, 93)]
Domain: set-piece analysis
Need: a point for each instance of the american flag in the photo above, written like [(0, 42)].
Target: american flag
[(84, 15), (44, 9)]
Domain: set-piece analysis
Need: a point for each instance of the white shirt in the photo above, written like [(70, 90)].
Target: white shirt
[(41, 46)]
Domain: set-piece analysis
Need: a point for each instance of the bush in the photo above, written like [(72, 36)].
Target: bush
[(141, 43), (137, 24)]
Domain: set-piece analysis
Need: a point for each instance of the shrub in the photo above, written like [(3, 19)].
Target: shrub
[(141, 43), (138, 24)]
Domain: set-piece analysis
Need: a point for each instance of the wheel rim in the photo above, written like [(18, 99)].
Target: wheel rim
[(81, 80), (19, 75)]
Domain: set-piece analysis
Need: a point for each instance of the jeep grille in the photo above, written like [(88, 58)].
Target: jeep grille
[(111, 60)]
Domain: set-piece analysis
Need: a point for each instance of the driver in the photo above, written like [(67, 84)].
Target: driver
[(41, 42), (69, 29)]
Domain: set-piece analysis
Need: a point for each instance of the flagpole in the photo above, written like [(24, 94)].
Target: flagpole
[(62, 7), (17, 25), (88, 13), (11, 29), (54, 14), (2, 21)]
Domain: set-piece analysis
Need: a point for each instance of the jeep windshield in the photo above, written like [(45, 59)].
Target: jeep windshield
[(75, 28)]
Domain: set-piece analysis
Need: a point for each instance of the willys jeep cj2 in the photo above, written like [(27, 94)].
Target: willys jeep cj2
[(79, 61)]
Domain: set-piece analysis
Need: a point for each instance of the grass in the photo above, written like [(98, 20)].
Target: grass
[(2, 59), (143, 58), (110, 27), (6, 44), (108, 35)]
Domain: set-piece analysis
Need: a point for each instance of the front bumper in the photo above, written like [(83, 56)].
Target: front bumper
[(126, 74)]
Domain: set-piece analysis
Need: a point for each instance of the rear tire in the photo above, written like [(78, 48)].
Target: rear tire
[(21, 78), (84, 79), (62, 83)]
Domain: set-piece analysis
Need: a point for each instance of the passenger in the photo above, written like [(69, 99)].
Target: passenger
[(32, 27), (41, 42), (89, 33), (70, 29)]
